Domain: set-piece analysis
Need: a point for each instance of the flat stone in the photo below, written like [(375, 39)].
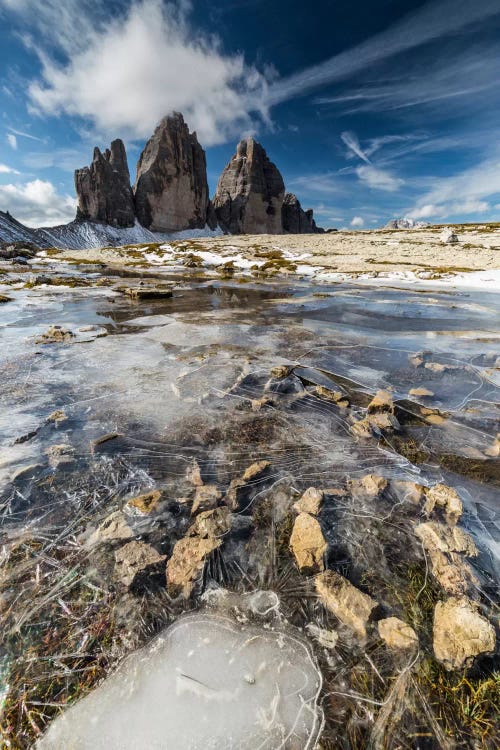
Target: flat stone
[(310, 502), (211, 523), (187, 562), (255, 471), (308, 544), (350, 605), (145, 503), (114, 528), (420, 393), (460, 633), (397, 634), (133, 558), (372, 485), (382, 401)]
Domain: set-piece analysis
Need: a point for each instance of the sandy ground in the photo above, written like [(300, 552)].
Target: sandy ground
[(373, 252)]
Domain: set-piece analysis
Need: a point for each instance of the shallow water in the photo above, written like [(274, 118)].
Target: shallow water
[(174, 380)]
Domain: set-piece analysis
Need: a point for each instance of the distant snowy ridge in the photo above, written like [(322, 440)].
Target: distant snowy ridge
[(84, 235), (406, 223)]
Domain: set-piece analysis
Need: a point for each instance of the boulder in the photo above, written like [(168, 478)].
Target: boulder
[(187, 562), (308, 544), (350, 605), (135, 558), (103, 189), (250, 192), (448, 236), (310, 502), (397, 635), (171, 188), (295, 219), (460, 633)]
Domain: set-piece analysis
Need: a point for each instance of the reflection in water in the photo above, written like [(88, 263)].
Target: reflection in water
[(225, 403)]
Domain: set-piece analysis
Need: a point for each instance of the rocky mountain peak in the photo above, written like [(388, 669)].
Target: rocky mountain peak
[(250, 192), (171, 188), (103, 189), (295, 219)]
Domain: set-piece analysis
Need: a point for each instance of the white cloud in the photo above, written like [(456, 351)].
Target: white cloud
[(12, 141), (4, 169), (378, 179), (358, 221), (125, 73), (326, 183), (432, 211), (37, 203), (26, 135)]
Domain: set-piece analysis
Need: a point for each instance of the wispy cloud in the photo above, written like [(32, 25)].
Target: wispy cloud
[(379, 179), (4, 169), (434, 20), (22, 134), (358, 222), (322, 184), (352, 142), (12, 141)]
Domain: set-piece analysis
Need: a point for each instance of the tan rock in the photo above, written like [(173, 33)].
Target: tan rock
[(420, 393), (381, 402), (411, 491), (260, 403), (187, 562), (144, 504), (310, 502), (371, 484), (133, 558), (435, 535), (494, 449), (460, 633), (397, 634), (255, 471), (114, 528), (60, 454), (57, 416), (349, 604), (444, 497), (337, 397), (281, 371), (211, 523), (308, 544), (55, 335), (445, 548), (193, 473), (206, 497)]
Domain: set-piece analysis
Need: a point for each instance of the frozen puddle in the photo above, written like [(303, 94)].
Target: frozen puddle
[(203, 683)]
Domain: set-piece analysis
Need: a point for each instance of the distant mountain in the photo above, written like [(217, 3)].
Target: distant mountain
[(406, 223), (81, 235)]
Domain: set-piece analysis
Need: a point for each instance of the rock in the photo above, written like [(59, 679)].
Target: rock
[(381, 402), (260, 403), (211, 524), (310, 502), (446, 547), (281, 371), (255, 471), (397, 634), (57, 416), (493, 451), (411, 491), (460, 633), (134, 558), (171, 188), (56, 335), (60, 454), (250, 192), (294, 219), (193, 473), (143, 291), (349, 604), (187, 562), (371, 485), (4, 298), (114, 528), (104, 439), (420, 393), (143, 504), (103, 189), (308, 544), (448, 236), (444, 497), (206, 497), (336, 397), (374, 424)]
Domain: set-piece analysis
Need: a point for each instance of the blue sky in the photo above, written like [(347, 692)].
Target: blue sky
[(371, 109)]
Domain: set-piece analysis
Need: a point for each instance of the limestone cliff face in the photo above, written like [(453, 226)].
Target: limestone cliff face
[(250, 192), (295, 219), (103, 189), (171, 189)]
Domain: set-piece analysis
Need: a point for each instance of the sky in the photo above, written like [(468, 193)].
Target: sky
[(371, 109)]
